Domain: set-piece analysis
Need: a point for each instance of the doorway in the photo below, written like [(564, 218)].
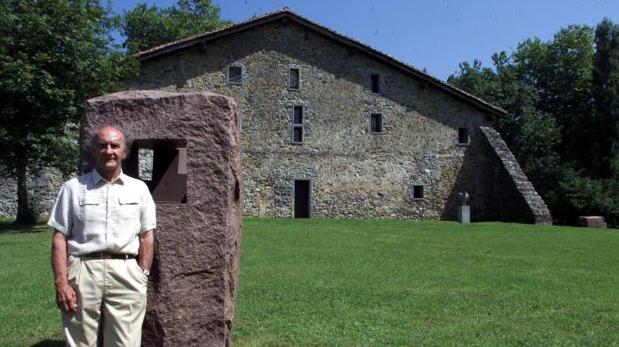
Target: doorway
[(302, 199)]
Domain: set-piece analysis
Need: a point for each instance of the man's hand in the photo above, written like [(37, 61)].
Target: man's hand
[(66, 299)]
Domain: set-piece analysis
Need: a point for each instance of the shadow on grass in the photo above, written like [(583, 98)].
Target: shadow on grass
[(7, 225), (49, 343)]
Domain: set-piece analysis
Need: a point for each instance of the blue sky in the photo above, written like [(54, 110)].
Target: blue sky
[(435, 35)]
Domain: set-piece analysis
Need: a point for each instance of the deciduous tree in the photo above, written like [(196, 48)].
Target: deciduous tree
[(54, 54), (563, 99), (147, 26), (606, 93)]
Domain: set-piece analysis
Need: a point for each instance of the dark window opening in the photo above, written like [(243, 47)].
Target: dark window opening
[(463, 135), (418, 192), (294, 78), (297, 134), (297, 124), (235, 75), (162, 165), (375, 83), (302, 200), (376, 123), (297, 116)]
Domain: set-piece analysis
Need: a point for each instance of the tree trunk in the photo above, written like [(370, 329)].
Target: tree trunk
[(26, 213)]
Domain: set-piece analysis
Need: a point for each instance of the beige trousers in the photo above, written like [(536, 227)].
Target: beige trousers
[(114, 288)]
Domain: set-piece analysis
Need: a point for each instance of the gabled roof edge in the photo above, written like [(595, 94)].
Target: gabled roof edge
[(342, 39)]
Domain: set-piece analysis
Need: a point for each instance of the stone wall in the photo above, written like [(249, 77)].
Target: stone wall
[(44, 188), (353, 172), (518, 200)]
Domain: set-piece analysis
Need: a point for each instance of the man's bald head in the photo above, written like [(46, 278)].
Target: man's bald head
[(108, 147), (94, 139)]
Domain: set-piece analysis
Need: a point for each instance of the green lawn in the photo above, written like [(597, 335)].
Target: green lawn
[(28, 314), (351, 283)]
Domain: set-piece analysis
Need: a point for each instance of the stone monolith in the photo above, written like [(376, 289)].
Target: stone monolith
[(190, 145)]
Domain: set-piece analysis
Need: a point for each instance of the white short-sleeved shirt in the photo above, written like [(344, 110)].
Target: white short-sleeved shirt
[(97, 215)]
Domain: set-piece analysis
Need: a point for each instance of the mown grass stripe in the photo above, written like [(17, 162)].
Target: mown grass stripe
[(379, 282)]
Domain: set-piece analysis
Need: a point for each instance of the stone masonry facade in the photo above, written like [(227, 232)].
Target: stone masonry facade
[(44, 188), (353, 171)]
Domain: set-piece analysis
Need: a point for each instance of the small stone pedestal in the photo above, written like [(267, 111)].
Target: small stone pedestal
[(464, 214)]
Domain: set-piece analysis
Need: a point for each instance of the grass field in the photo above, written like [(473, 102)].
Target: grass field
[(363, 283)]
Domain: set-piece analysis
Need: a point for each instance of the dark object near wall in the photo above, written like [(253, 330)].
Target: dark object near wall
[(196, 183)]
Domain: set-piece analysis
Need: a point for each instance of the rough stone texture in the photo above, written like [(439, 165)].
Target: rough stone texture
[(521, 204), (354, 173), (592, 222), (44, 189), (194, 278)]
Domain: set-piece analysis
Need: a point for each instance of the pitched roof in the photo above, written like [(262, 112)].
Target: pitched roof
[(285, 15)]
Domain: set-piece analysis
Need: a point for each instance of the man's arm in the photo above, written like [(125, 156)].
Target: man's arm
[(145, 253), (65, 295)]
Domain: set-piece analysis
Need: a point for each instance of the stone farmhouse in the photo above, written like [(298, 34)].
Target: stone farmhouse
[(334, 128)]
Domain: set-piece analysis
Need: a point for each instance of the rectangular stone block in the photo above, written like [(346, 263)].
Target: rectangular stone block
[(464, 214), (592, 221), (195, 157)]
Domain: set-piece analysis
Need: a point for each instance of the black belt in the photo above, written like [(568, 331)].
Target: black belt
[(108, 255)]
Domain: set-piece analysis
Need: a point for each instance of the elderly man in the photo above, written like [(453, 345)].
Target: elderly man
[(103, 222)]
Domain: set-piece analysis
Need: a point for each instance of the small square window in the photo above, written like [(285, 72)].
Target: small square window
[(375, 83), (297, 116), (145, 164), (235, 75), (294, 78), (297, 134), (376, 123), (418, 193), (463, 136), (162, 165)]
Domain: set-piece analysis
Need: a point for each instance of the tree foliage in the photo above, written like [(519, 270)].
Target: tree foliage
[(606, 93), (147, 26), (54, 54), (562, 97)]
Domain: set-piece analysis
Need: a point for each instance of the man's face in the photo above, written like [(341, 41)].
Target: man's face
[(109, 150)]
